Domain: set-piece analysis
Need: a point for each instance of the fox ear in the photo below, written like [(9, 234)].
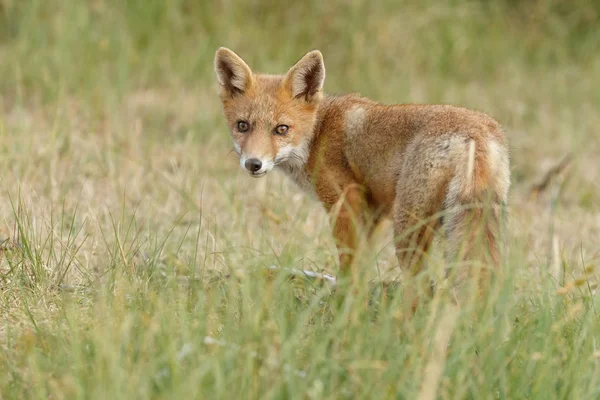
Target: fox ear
[(233, 74), (306, 77)]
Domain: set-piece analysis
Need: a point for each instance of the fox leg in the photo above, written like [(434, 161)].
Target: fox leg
[(414, 231), (413, 236), (348, 220), (419, 197)]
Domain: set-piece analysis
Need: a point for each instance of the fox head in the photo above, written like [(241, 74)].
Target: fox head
[(271, 117)]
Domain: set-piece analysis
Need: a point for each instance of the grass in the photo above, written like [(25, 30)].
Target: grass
[(133, 247)]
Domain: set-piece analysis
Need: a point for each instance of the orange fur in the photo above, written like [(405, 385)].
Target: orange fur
[(366, 160)]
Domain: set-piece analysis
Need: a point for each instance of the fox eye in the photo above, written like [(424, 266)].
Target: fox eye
[(243, 126), (281, 129)]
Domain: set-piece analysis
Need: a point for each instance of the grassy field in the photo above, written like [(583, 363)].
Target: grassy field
[(133, 246)]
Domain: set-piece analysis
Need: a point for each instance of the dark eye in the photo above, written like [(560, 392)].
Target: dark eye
[(281, 129), (242, 126)]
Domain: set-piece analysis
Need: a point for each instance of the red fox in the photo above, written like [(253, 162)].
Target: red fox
[(426, 166)]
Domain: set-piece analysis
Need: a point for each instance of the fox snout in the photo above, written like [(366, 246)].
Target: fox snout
[(255, 166)]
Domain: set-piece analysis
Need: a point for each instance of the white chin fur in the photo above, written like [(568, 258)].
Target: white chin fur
[(256, 175), (292, 160), (295, 156)]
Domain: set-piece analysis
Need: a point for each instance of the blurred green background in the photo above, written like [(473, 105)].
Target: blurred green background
[(78, 45)]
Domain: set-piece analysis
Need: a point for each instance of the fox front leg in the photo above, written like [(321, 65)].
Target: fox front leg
[(347, 217)]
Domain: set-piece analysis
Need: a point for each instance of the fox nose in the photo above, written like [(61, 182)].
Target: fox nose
[(253, 164)]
